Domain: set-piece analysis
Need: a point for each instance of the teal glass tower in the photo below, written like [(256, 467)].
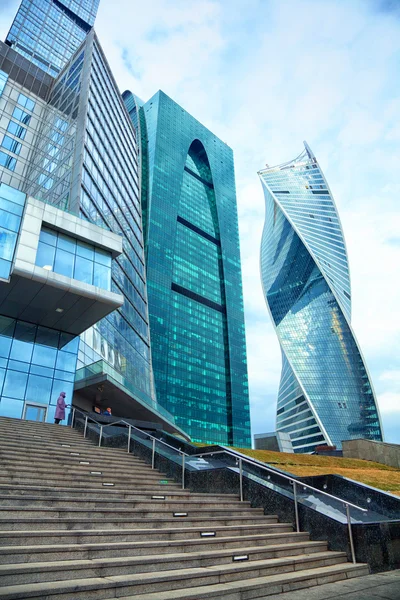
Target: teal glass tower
[(193, 272), (325, 394)]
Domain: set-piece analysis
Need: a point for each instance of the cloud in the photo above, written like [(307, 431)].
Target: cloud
[(389, 403)]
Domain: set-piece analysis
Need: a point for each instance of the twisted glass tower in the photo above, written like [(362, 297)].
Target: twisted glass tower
[(325, 394)]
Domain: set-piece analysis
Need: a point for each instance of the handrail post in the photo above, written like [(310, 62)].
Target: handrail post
[(84, 431), (72, 418), (241, 479), (296, 506), (101, 435), (153, 453), (129, 438), (183, 471), (353, 554)]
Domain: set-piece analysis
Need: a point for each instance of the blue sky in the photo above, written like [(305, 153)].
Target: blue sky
[(264, 75)]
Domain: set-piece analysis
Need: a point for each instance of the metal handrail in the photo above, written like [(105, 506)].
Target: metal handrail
[(290, 479), (240, 460), (130, 427), (294, 483)]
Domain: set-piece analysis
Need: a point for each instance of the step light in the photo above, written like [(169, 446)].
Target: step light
[(66, 445), (207, 534), (180, 514), (38, 436), (96, 473), (74, 453), (84, 462), (240, 557), (108, 484), (158, 497)]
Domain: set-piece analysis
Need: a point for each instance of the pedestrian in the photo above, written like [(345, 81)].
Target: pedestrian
[(60, 409), (107, 412)]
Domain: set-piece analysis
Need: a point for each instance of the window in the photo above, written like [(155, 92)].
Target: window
[(7, 161), (22, 116), (16, 129), (70, 257), (26, 102), (11, 144), (3, 81)]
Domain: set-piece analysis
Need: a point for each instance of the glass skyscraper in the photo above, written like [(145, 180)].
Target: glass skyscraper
[(67, 141), (49, 32), (193, 272), (325, 394)]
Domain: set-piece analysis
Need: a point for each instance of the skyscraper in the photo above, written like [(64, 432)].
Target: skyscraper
[(193, 272), (325, 394), (49, 32), (67, 141)]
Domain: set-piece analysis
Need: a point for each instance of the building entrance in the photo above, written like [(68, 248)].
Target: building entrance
[(34, 412)]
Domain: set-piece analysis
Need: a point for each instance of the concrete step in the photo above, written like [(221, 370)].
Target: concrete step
[(81, 478), (98, 483), (26, 524), (108, 536), (50, 444), (107, 459), (75, 467), (123, 585), (278, 544), (66, 455), (25, 422), (26, 426), (258, 559), (146, 511), (147, 502), (107, 494), (37, 428), (259, 587), (76, 531)]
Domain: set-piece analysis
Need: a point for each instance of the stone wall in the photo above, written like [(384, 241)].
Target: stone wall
[(387, 454)]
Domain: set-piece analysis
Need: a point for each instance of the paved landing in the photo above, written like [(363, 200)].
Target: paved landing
[(382, 586)]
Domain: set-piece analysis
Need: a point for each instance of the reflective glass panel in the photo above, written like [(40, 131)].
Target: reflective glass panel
[(15, 384), (83, 269), (64, 263), (38, 389), (45, 256)]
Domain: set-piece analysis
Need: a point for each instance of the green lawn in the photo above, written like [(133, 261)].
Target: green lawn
[(371, 473)]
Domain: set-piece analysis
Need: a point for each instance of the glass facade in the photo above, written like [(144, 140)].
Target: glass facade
[(73, 145), (109, 197), (70, 257), (48, 32), (193, 272), (12, 203), (325, 394), (36, 364)]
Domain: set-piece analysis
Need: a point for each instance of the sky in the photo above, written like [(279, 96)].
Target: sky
[(264, 75)]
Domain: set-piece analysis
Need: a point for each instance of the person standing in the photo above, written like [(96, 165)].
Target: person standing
[(60, 409)]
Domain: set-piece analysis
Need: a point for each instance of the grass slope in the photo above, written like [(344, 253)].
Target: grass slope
[(371, 473)]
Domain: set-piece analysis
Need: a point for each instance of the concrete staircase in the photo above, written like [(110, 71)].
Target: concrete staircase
[(67, 533)]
